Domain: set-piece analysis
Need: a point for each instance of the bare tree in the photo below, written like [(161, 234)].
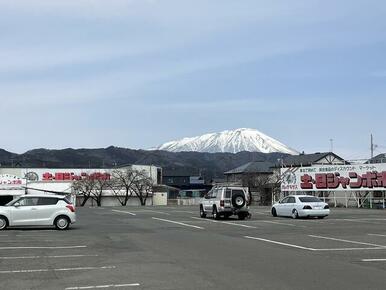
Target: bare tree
[(123, 181), (101, 184), (259, 183), (276, 180), (91, 186), (84, 188), (266, 184), (142, 187)]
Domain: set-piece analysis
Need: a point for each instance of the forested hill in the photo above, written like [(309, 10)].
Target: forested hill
[(209, 164)]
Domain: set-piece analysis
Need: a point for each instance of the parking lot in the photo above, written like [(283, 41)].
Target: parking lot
[(172, 248)]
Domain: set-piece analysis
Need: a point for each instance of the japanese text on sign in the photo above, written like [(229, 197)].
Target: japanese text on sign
[(334, 177)]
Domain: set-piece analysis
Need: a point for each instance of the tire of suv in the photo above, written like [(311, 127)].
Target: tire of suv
[(215, 214), (3, 223), (242, 216), (295, 214), (202, 212), (62, 222), (274, 213), (238, 200)]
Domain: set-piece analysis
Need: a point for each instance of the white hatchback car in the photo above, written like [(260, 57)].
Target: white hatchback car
[(38, 210), (301, 206)]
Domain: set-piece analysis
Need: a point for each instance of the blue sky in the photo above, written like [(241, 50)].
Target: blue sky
[(138, 73)]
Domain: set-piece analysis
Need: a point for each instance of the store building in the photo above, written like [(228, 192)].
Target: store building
[(19, 181), (338, 182)]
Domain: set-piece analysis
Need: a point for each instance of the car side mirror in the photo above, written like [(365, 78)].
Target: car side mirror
[(207, 197), (16, 204)]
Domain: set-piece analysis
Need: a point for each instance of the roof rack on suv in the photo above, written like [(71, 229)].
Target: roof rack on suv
[(228, 184)]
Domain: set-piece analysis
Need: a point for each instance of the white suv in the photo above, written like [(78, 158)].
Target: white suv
[(38, 210), (226, 201)]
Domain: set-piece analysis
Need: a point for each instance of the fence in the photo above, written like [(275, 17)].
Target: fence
[(370, 199)]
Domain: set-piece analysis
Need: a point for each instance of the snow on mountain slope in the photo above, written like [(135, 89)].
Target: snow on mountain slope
[(229, 141)]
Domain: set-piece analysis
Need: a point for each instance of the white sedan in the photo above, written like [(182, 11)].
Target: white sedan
[(301, 206)]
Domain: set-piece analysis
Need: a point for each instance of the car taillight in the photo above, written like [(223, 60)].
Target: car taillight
[(70, 207), (327, 207), (222, 203), (307, 207)]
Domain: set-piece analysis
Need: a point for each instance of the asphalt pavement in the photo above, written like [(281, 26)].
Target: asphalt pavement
[(172, 248)]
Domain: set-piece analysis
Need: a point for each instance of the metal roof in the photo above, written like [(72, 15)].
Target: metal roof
[(253, 167), (306, 159), (380, 158)]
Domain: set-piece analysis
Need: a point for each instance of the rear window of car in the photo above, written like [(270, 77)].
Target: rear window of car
[(47, 201), (228, 193), (67, 200), (309, 199), (237, 191)]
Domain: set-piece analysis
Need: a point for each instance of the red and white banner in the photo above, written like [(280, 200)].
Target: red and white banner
[(68, 175), (362, 177)]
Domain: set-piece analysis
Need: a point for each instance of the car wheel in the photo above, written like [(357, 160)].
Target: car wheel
[(62, 223), (241, 216), (295, 214), (202, 212), (273, 211), (227, 216), (215, 213), (3, 223)]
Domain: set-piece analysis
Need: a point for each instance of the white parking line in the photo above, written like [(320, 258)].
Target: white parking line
[(361, 221), (154, 211), (104, 286), (227, 223), (178, 223), (368, 219), (279, 223), (32, 236), (240, 225), (57, 270), (313, 249), (123, 211), (48, 257), (373, 260), (48, 248), (346, 241), (376, 235), (30, 241), (280, 243), (350, 249)]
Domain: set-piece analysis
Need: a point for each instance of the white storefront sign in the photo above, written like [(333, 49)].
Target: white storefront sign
[(362, 177), (9, 181)]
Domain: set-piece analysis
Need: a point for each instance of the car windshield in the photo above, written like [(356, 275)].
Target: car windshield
[(309, 199)]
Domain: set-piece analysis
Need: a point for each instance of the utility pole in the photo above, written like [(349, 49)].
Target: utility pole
[(372, 146), (331, 145)]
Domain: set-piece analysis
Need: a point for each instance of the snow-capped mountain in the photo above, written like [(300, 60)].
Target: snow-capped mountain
[(229, 141)]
